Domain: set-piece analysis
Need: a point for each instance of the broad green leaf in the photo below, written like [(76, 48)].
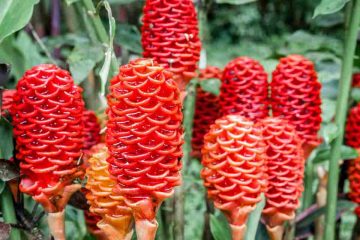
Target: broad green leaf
[(329, 7), (219, 229), (329, 132), (10, 54), (6, 146), (69, 2), (211, 85), (323, 153), (83, 59), (254, 219), (121, 1), (14, 15), (328, 108), (236, 2), (128, 36)]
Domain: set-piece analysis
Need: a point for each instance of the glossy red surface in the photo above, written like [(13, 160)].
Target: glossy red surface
[(144, 135), (47, 113), (207, 110), (170, 35), (285, 170), (91, 129), (244, 89), (7, 100), (295, 94)]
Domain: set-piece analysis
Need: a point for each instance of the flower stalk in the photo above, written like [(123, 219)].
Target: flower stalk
[(344, 90)]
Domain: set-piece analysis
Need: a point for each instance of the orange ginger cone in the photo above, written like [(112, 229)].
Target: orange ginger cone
[(144, 136), (116, 220), (234, 163), (285, 170)]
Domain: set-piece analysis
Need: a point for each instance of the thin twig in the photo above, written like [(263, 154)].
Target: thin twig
[(41, 44)]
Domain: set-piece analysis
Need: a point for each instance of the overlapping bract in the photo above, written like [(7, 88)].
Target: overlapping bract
[(295, 94), (7, 101), (144, 136), (352, 138), (91, 220), (244, 89), (170, 36), (47, 113), (116, 216), (356, 80), (234, 163), (207, 110), (91, 129), (285, 170)]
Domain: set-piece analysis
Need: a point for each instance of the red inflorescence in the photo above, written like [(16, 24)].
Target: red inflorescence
[(7, 100), (91, 220), (144, 136), (285, 169), (244, 89), (352, 137), (207, 110), (295, 94), (170, 36), (356, 80), (91, 129), (47, 119), (234, 170)]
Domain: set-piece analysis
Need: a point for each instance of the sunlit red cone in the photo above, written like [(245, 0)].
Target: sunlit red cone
[(91, 132), (144, 137), (170, 35), (207, 110), (47, 119), (234, 161), (285, 170), (295, 95), (244, 89), (91, 219), (352, 138), (116, 217)]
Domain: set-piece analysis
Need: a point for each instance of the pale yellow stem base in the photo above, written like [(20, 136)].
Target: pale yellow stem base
[(238, 232), (145, 229), (275, 233), (56, 223)]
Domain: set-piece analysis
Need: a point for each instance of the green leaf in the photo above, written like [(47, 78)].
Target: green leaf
[(10, 54), (254, 219), (83, 59), (235, 2), (323, 153), (328, 108), (14, 15), (6, 146), (348, 152), (122, 1), (2, 186), (329, 132), (219, 229), (355, 94), (329, 7), (69, 2), (211, 85), (128, 36)]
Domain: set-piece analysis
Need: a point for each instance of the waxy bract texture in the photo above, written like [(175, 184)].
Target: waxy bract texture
[(207, 110), (47, 119), (234, 163), (170, 36), (244, 89), (144, 136)]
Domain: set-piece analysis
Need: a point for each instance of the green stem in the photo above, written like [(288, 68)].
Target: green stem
[(308, 182), (254, 220), (8, 211), (345, 83), (189, 111)]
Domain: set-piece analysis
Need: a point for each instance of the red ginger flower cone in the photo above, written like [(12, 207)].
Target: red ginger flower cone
[(207, 110), (46, 114), (116, 220), (244, 89), (144, 137), (234, 163), (7, 101), (352, 138), (356, 80), (285, 169), (295, 94), (170, 35), (91, 129)]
